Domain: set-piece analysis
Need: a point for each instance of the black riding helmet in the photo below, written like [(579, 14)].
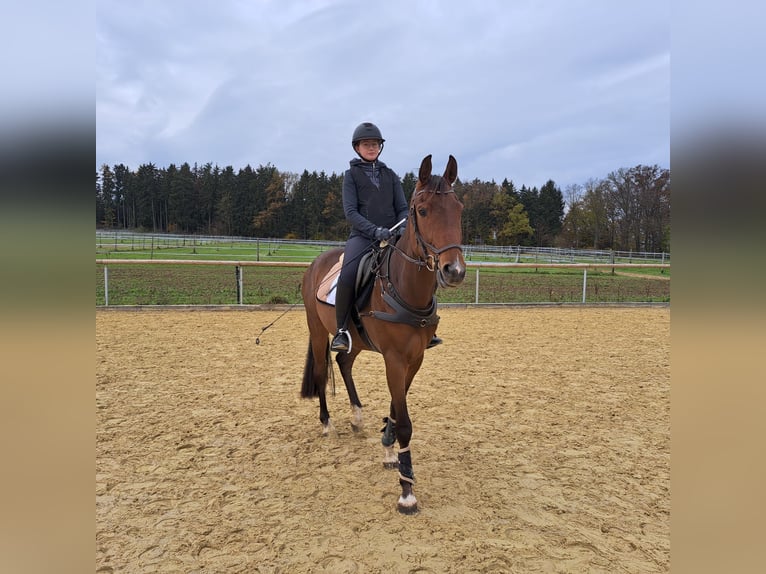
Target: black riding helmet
[(367, 131)]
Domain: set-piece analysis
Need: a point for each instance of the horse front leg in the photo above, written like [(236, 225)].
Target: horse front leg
[(390, 460), (398, 383), (345, 364), (407, 503)]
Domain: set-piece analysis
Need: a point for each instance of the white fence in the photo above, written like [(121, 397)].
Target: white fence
[(183, 246), (238, 265)]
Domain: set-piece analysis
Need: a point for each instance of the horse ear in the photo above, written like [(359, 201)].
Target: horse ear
[(424, 176), (450, 174)]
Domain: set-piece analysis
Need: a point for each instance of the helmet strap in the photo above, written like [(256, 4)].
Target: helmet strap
[(380, 151)]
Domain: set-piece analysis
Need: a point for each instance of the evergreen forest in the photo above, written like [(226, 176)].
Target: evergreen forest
[(627, 210)]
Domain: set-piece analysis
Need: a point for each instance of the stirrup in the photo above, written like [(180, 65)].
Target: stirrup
[(341, 341), (434, 341)]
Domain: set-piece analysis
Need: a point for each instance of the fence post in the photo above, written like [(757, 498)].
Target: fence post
[(238, 274), (106, 285), (477, 285), (584, 282)]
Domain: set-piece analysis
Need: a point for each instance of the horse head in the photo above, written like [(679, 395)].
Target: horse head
[(435, 217)]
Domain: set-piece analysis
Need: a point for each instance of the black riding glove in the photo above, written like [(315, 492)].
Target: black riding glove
[(382, 234)]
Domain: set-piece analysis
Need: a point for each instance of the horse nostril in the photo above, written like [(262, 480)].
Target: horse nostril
[(456, 273)]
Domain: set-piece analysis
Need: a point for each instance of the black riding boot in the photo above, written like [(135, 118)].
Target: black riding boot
[(435, 340), (344, 296)]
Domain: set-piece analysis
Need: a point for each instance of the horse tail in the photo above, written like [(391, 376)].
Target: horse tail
[(309, 387)]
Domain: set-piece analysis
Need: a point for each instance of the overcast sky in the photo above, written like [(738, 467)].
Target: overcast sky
[(562, 89)]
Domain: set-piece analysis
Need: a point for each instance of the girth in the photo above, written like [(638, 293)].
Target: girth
[(403, 312)]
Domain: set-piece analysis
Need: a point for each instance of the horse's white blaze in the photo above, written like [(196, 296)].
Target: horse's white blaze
[(356, 417)]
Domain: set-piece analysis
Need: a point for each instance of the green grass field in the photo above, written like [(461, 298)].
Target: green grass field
[(216, 285), (169, 284)]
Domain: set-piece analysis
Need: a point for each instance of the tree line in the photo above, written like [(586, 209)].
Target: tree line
[(629, 209)]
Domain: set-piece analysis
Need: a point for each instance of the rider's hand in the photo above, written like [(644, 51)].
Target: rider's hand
[(382, 234)]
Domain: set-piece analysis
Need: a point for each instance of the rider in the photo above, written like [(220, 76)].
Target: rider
[(373, 202)]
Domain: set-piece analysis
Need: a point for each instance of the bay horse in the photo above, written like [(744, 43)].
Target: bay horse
[(399, 316)]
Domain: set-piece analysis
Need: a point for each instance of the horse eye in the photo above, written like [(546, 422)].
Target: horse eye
[(422, 211)]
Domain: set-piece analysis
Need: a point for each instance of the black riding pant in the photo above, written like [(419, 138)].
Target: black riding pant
[(356, 246)]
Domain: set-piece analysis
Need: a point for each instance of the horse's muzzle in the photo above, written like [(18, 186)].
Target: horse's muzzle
[(451, 274)]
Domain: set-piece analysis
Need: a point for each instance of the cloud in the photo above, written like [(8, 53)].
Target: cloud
[(513, 90)]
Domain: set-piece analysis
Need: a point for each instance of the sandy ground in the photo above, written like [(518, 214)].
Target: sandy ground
[(541, 443)]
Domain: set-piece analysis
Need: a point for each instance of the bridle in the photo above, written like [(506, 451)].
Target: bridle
[(430, 259), (404, 312)]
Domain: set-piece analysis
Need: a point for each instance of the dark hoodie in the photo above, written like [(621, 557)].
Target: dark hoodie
[(372, 197)]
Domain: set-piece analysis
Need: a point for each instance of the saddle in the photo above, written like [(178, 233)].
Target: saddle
[(368, 266)]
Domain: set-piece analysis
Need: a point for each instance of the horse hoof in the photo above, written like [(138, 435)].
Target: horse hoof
[(408, 505), (391, 465)]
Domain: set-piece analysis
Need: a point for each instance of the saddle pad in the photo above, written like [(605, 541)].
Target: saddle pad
[(326, 291)]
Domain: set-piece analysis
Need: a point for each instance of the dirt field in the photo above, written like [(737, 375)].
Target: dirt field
[(541, 443)]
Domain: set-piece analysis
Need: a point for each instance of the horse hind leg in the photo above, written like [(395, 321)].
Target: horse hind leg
[(315, 375), (345, 364)]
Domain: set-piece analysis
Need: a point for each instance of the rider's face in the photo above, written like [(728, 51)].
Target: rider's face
[(368, 149)]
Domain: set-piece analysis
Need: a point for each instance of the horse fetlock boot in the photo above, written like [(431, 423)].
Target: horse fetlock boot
[(406, 474), (389, 432), (407, 503), (434, 341)]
